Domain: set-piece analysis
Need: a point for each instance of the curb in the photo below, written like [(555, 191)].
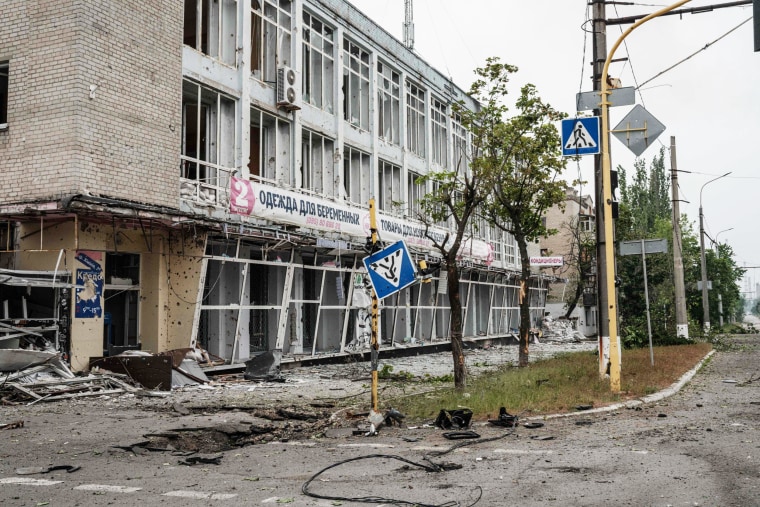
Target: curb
[(661, 395)]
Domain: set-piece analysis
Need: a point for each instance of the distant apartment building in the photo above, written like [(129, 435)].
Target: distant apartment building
[(576, 228), (180, 174)]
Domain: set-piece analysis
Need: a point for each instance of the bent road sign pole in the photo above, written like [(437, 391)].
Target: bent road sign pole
[(374, 342)]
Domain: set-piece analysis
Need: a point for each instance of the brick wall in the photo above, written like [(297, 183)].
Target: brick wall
[(94, 99)]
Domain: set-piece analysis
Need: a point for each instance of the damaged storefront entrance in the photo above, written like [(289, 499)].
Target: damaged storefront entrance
[(121, 303)]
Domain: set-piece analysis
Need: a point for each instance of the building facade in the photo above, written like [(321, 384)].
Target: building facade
[(198, 173), (575, 224)]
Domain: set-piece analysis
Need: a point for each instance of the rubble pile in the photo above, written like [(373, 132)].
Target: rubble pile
[(560, 330)]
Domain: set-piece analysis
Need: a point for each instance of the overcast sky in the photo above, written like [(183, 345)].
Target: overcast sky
[(710, 103)]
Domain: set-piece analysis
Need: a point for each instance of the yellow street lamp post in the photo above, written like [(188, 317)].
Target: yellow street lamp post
[(607, 191)]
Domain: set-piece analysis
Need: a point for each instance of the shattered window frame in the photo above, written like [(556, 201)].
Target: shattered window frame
[(415, 119), (357, 175), (439, 132), (389, 193), (270, 150), (318, 62), (388, 103), (270, 37), (207, 158), (211, 28), (356, 67), (317, 163)]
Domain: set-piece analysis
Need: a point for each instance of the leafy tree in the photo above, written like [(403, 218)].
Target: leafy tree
[(645, 213), (520, 160)]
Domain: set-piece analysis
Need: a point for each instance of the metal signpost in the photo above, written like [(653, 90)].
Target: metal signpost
[(643, 247), (390, 270)]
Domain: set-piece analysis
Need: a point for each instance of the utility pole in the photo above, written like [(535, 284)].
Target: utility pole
[(682, 324), (602, 298)]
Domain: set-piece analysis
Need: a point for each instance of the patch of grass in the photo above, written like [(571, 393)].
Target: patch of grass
[(556, 385)]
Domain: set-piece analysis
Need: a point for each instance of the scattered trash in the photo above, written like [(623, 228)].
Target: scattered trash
[(662, 415), (447, 419), (542, 437), (206, 460), (729, 381), (375, 420), (11, 426), (505, 419), (533, 425), (584, 422), (44, 470), (265, 367), (460, 435), (584, 407), (392, 416)]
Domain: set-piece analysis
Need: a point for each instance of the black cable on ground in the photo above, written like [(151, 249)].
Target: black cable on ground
[(432, 467)]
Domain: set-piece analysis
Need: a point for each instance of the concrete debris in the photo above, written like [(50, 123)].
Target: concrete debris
[(560, 330)]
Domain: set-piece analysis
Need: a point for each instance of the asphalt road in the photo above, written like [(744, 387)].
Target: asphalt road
[(698, 447)]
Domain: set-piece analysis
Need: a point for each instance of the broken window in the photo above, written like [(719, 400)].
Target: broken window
[(440, 132), (356, 176), (270, 37), (415, 119), (318, 63), (270, 148), (317, 166), (121, 303), (389, 195), (355, 85), (4, 71), (208, 143), (388, 103), (460, 148), (415, 193), (211, 28)]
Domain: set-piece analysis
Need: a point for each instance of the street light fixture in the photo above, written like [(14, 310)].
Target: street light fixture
[(717, 243), (705, 300)]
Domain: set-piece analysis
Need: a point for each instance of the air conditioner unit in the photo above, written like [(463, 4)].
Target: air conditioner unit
[(288, 94)]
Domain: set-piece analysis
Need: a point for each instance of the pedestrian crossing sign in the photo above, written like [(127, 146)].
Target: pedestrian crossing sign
[(580, 136), (390, 270)]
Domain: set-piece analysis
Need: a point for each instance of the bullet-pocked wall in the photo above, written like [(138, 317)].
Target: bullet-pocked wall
[(135, 288)]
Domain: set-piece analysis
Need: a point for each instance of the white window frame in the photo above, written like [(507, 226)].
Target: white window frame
[(318, 62), (214, 30), (272, 135), (415, 119), (317, 163), (460, 146), (439, 132), (388, 103), (208, 143), (270, 37), (356, 67), (389, 193), (416, 192), (357, 175)]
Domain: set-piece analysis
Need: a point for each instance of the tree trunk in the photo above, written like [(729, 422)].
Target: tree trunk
[(524, 299), (571, 305), (455, 303)]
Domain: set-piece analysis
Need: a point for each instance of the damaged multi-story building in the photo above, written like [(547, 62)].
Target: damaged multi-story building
[(198, 173)]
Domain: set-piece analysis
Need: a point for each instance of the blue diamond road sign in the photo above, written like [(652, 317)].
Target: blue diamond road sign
[(580, 136), (390, 270)]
